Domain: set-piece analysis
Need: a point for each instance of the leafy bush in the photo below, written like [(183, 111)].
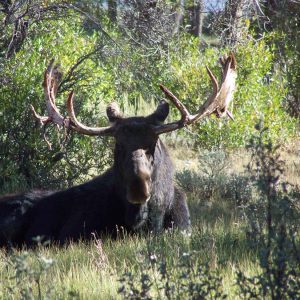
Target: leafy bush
[(27, 280), (212, 182), (24, 155), (185, 280), (100, 68), (260, 93), (273, 227)]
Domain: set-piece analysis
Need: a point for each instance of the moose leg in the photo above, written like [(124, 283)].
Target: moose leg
[(136, 216), (156, 220), (71, 231), (179, 216)]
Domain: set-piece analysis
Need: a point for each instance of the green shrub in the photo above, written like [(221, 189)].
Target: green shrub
[(159, 280), (260, 92), (212, 182), (24, 155), (28, 282), (273, 227), (101, 69)]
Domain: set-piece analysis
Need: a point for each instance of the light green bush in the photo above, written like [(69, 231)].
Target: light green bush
[(259, 95), (23, 152), (119, 69)]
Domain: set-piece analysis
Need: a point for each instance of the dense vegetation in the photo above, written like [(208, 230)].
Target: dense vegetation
[(105, 59), (244, 245), (245, 240)]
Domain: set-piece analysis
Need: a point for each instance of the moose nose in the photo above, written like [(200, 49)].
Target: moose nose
[(139, 178), (138, 191), (140, 164)]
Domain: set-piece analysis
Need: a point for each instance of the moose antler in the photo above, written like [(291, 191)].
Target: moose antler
[(217, 103), (52, 77)]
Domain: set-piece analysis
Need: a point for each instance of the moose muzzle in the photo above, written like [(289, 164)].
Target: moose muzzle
[(139, 180)]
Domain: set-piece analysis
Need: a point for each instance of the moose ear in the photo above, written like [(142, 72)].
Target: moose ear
[(113, 112), (160, 113)]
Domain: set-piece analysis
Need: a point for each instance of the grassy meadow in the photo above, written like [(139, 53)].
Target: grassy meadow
[(245, 238), (146, 266)]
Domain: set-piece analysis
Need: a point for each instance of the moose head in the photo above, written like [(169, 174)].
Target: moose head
[(137, 147)]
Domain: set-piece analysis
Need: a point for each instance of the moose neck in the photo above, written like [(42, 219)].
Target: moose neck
[(163, 165)]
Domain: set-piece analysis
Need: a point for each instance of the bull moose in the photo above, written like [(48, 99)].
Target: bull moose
[(137, 192)]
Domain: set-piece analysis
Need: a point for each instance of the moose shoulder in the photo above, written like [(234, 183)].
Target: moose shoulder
[(138, 191)]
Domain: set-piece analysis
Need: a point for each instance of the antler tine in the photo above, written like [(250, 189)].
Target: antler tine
[(217, 103), (185, 115), (225, 95), (214, 81), (81, 128), (52, 77), (49, 93), (55, 78), (180, 106)]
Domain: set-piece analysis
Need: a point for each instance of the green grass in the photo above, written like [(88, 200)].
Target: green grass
[(92, 271)]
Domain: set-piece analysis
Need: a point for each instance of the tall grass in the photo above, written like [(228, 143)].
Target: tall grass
[(147, 266), (93, 271)]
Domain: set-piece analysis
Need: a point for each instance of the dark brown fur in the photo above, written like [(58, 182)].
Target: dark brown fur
[(137, 192)]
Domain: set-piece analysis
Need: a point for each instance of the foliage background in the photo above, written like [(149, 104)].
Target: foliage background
[(245, 241), (124, 55)]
